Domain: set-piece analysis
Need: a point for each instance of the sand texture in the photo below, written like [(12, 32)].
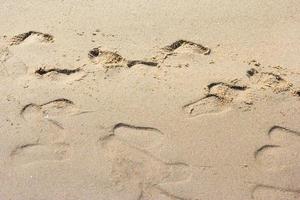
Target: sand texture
[(150, 100)]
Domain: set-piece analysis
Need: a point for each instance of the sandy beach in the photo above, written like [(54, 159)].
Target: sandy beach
[(150, 100)]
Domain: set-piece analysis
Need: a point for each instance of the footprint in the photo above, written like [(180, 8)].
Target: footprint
[(36, 152), (180, 53), (219, 98), (184, 46), (33, 36), (132, 164), (271, 78), (265, 192), (207, 105), (137, 136), (109, 59), (274, 81), (61, 74), (49, 111)]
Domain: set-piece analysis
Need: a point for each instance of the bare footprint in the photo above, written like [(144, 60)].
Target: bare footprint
[(33, 36), (187, 46), (219, 98), (36, 152), (207, 105), (132, 163), (180, 53), (271, 77), (49, 111), (265, 192), (52, 108), (137, 136), (109, 59), (274, 81)]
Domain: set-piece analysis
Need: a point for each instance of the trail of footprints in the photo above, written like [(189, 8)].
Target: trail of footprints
[(107, 59), (130, 145), (13, 66), (126, 146), (110, 59), (280, 154)]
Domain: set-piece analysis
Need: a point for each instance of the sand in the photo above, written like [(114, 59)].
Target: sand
[(150, 100)]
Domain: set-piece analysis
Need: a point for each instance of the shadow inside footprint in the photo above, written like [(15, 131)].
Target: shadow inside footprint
[(32, 35), (138, 136), (61, 74), (186, 46), (43, 71)]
